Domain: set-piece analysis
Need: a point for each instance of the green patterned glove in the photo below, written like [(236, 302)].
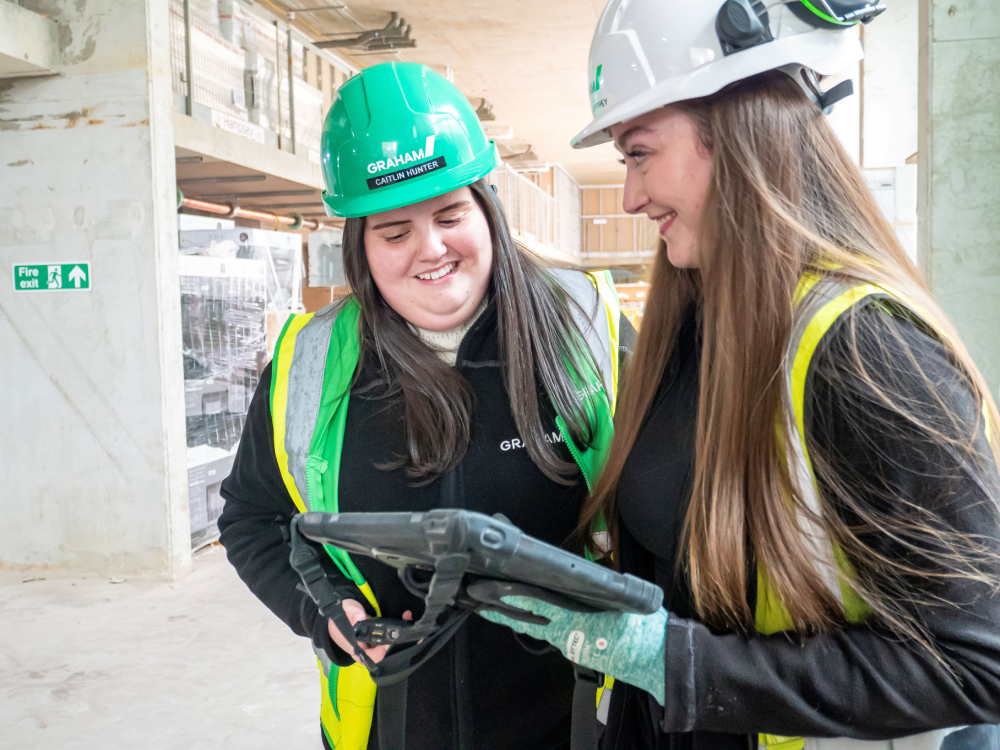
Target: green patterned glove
[(627, 647)]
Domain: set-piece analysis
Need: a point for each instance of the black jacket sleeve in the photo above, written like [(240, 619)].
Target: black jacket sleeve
[(254, 531), (862, 681)]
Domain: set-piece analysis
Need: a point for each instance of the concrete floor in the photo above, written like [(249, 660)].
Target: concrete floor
[(198, 663)]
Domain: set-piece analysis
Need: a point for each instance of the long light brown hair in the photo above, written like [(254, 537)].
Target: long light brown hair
[(784, 198)]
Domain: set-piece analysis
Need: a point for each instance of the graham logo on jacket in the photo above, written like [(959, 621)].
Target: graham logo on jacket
[(550, 437)]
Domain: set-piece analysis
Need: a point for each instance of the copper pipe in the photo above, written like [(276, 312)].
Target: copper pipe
[(232, 211)]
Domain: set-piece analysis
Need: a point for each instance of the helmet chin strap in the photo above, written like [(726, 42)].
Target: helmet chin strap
[(808, 81)]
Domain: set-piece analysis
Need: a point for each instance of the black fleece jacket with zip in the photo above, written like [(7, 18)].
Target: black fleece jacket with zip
[(484, 689), (862, 682)]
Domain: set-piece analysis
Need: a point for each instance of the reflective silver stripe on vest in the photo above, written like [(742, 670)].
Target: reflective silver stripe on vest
[(591, 317), (324, 661), (814, 534), (305, 392)]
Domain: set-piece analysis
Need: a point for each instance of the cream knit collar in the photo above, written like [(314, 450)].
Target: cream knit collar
[(446, 343)]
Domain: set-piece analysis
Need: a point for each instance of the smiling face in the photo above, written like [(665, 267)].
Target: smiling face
[(432, 260), (669, 171)]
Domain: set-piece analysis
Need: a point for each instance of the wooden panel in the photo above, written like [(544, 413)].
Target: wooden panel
[(608, 200), (591, 201), (619, 198), (624, 234), (326, 84), (593, 238)]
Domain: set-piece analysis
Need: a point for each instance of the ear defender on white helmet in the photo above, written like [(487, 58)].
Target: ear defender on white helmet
[(647, 54), (742, 24)]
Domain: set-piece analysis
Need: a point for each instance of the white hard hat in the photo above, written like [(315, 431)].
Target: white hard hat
[(650, 53)]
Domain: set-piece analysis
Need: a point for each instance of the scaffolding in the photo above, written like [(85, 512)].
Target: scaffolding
[(537, 217), (234, 64)]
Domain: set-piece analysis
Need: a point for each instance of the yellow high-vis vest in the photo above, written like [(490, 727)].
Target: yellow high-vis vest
[(313, 367), (820, 301)]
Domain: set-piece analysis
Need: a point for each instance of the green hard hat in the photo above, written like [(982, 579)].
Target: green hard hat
[(398, 134)]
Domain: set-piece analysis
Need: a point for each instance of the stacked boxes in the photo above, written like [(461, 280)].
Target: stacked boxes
[(223, 314), (236, 285)]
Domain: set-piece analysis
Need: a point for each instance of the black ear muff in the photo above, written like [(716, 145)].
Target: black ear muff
[(742, 24)]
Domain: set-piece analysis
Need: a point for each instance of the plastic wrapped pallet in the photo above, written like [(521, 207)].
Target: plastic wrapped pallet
[(223, 321), (280, 253)]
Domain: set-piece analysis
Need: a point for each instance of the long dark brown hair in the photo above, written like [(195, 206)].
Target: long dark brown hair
[(540, 348), (785, 198)]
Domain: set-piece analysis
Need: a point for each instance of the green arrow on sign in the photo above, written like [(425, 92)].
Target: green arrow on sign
[(77, 275), (52, 277)]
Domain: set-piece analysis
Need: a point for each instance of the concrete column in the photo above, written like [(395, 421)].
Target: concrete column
[(93, 476), (960, 168)]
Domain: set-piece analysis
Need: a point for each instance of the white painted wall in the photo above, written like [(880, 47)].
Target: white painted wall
[(93, 475), (890, 85), (888, 96)]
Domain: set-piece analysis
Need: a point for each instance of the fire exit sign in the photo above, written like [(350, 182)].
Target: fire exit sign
[(52, 277)]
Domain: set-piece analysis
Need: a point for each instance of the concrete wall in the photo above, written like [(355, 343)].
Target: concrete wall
[(960, 168), (29, 43), (93, 476)]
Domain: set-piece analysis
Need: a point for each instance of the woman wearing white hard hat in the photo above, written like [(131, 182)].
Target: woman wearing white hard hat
[(803, 457)]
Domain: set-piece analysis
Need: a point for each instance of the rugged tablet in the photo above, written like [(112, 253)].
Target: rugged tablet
[(496, 549), (458, 562)]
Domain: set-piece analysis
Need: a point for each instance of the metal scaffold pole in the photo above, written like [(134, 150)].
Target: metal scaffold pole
[(189, 96)]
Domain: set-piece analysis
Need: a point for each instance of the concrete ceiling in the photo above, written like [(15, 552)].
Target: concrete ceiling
[(527, 58)]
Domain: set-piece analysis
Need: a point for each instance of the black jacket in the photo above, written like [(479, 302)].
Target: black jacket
[(724, 688), (483, 689)]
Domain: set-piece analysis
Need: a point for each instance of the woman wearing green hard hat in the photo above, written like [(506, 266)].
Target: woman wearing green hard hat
[(459, 373), (805, 456)]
